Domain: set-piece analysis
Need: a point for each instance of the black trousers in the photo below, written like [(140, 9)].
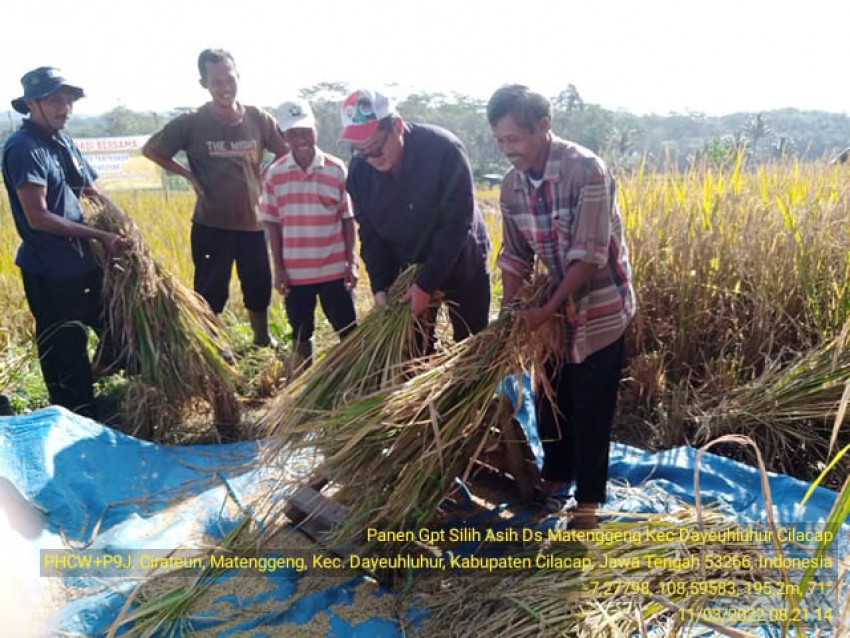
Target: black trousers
[(62, 307), (576, 434), (337, 303), (215, 250), (468, 305)]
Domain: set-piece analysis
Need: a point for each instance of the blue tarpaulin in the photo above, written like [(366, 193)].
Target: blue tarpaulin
[(103, 490)]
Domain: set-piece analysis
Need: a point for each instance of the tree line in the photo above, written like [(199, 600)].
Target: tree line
[(623, 139)]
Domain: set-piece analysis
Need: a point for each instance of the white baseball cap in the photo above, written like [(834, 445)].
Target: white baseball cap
[(296, 114)]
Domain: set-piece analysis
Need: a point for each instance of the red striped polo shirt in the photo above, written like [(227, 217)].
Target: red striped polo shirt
[(309, 207)]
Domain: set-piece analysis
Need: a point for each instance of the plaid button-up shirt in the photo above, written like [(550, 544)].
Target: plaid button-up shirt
[(572, 216)]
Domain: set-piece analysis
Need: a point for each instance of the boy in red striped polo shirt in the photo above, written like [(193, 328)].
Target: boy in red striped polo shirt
[(310, 226)]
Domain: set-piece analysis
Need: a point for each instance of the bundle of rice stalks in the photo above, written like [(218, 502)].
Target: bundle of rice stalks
[(664, 575), (794, 413), (371, 357), (166, 335), (145, 406), (394, 454)]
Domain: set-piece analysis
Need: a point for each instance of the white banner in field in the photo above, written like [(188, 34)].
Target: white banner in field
[(119, 162), (111, 144), (108, 162)]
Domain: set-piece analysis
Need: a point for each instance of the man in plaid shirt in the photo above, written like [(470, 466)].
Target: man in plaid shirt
[(559, 206)]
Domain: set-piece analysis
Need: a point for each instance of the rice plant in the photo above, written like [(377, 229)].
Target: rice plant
[(792, 410), (738, 271)]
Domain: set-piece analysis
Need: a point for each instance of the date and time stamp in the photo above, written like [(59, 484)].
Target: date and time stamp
[(736, 586)]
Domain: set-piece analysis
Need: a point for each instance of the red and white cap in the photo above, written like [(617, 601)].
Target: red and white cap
[(361, 113)]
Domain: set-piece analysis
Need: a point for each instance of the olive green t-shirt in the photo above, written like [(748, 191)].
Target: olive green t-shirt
[(226, 160)]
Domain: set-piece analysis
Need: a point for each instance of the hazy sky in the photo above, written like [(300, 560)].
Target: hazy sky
[(644, 56)]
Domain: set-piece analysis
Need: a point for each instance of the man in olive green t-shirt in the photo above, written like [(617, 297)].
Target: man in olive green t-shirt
[(224, 142)]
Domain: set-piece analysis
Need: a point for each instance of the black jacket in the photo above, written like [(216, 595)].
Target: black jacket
[(425, 214)]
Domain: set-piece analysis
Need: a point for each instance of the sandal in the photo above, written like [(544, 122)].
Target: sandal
[(550, 496)]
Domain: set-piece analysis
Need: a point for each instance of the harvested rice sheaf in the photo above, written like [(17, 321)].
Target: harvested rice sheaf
[(393, 455), (373, 356), (164, 333)]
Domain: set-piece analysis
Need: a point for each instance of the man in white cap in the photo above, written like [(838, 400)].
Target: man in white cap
[(46, 175), (308, 219), (413, 194)]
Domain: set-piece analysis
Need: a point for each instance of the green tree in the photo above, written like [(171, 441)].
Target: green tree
[(756, 130), (118, 122), (623, 146), (569, 99), (590, 126)]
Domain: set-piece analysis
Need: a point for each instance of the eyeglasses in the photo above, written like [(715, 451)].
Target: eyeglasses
[(375, 152)]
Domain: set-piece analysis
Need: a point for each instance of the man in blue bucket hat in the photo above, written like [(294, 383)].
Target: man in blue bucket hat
[(41, 83), (46, 176)]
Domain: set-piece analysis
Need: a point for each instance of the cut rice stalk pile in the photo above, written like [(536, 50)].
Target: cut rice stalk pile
[(168, 613), (788, 409), (166, 335), (373, 356), (249, 601), (393, 455), (638, 586)]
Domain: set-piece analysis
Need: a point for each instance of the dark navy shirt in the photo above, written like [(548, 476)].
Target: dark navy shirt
[(33, 156), (425, 214)]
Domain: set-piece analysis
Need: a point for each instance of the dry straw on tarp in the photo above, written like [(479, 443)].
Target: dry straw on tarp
[(167, 336), (215, 603), (635, 587), (168, 614)]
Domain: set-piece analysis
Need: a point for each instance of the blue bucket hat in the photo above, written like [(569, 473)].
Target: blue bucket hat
[(41, 82)]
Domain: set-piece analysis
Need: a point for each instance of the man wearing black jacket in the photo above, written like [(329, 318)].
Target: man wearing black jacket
[(413, 195)]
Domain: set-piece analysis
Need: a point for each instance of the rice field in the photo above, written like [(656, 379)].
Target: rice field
[(742, 283), (739, 273)]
